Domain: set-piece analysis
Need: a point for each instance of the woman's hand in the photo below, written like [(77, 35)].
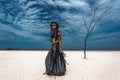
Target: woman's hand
[(60, 50), (53, 40)]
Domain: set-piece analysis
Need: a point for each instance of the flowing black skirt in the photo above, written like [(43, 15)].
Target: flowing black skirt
[(55, 63)]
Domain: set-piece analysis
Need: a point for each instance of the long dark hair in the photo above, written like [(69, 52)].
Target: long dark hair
[(54, 33), (57, 26)]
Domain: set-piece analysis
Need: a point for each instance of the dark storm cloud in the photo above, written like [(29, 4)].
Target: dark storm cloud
[(26, 22)]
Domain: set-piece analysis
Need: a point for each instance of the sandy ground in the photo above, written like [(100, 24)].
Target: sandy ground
[(29, 65)]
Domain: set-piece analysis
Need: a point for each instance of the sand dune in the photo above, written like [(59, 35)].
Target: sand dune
[(29, 65)]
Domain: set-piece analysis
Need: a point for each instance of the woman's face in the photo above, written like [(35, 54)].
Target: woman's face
[(53, 26)]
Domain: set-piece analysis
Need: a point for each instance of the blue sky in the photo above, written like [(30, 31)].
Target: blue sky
[(24, 24)]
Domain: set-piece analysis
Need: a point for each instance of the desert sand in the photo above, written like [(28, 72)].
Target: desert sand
[(30, 65)]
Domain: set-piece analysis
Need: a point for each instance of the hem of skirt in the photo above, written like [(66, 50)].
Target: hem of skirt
[(55, 74)]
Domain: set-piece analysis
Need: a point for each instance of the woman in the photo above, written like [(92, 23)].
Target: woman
[(55, 61)]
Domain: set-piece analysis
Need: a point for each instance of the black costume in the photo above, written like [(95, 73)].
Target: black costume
[(55, 62)]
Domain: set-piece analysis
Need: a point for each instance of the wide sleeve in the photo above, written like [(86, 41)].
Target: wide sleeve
[(60, 42)]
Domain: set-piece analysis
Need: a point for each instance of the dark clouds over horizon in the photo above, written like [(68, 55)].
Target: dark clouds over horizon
[(24, 24)]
